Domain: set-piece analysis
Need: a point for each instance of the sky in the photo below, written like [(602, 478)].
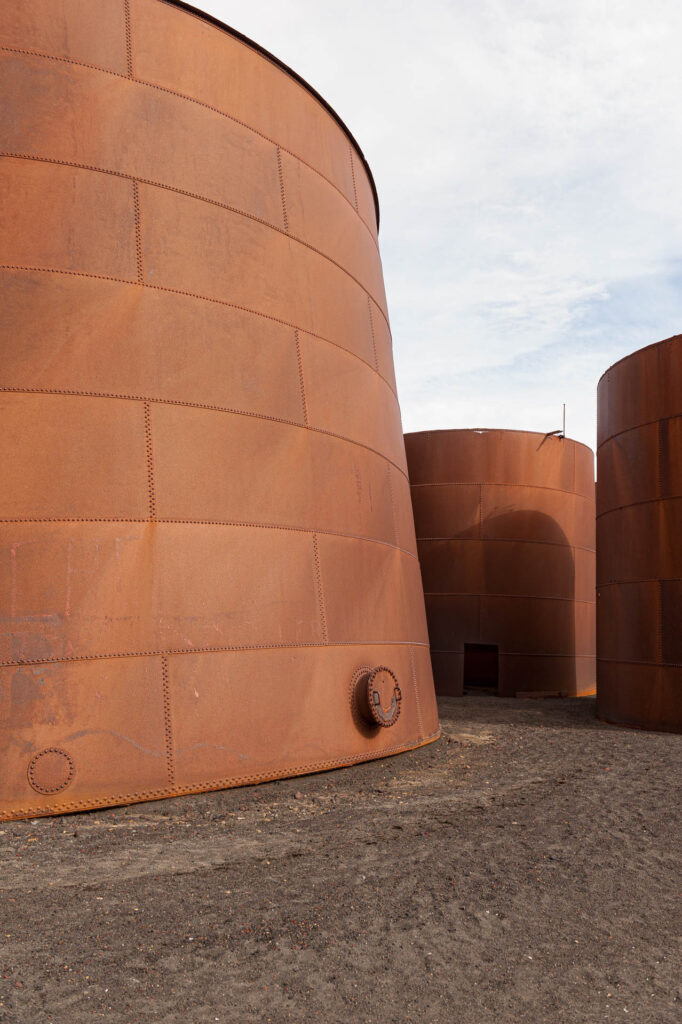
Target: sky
[(528, 160)]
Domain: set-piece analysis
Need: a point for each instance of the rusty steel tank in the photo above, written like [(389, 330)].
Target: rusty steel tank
[(639, 539), (209, 571), (505, 523)]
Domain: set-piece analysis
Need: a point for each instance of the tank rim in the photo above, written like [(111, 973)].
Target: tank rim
[(637, 351), (495, 430), (212, 20)]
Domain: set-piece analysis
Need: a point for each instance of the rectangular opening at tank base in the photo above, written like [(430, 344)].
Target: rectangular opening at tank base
[(481, 668)]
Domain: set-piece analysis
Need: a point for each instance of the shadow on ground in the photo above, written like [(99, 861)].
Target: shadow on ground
[(521, 870)]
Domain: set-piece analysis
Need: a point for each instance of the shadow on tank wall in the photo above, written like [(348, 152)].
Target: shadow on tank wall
[(521, 616)]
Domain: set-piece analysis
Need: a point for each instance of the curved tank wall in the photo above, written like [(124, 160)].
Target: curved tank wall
[(207, 535), (505, 532), (639, 539)]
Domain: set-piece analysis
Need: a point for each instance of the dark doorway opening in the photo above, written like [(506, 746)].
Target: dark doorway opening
[(481, 668)]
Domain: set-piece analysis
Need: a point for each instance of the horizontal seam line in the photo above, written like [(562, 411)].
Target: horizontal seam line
[(499, 483), (651, 579), (8, 389), (637, 504), (199, 103), (202, 298), (652, 664), (508, 597), (519, 654), (228, 782), (511, 540), (639, 426), (239, 523), (212, 650), (126, 176)]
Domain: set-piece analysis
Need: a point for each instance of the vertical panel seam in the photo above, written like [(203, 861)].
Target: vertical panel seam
[(480, 511), (138, 232), (659, 638), (393, 515), (168, 725), (371, 327), (480, 537), (320, 590), (659, 587), (129, 40), (301, 379), (280, 169), (352, 171), (150, 460), (416, 694)]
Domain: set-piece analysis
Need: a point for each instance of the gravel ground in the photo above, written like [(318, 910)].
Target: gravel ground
[(524, 868)]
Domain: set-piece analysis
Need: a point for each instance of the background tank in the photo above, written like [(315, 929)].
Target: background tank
[(207, 535), (505, 528), (639, 539)]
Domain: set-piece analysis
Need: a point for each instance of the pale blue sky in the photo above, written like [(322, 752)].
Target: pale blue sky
[(528, 156)]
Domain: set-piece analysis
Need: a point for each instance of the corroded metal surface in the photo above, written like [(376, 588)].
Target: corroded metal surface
[(639, 535), (505, 528), (205, 515)]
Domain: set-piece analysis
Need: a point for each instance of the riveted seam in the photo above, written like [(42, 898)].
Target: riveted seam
[(202, 298), (320, 589), (225, 783), (138, 232), (202, 199), (167, 721), (129, 40), (199, 103), (280, 170), (294, 645), (150, 461), (198, 405), (301, 379)]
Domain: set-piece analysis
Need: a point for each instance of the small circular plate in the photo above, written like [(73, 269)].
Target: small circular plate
[(383, 696), (50, 770)]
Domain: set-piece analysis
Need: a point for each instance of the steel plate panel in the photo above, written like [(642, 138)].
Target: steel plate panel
[(505, 525), (639, 530), (75, 29)]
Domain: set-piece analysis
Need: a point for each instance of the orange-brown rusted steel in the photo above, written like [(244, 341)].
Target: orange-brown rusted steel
[(639, 539), (505, 524), (209, 571)]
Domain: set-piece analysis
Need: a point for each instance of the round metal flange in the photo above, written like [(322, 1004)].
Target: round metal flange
[(383, 697), (50, 770)]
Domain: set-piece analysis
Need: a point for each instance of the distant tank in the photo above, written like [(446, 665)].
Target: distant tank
[(639, 539), (505, 531), (209, 572)]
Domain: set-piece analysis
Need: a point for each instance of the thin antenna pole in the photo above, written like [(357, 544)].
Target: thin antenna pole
[(564, 430)]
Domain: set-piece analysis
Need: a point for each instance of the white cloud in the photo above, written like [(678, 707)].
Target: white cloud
[(527, 157)]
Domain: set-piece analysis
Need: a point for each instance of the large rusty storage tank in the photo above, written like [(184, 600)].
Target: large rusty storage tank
[(639, 539), (505, 525), (209, 572)]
